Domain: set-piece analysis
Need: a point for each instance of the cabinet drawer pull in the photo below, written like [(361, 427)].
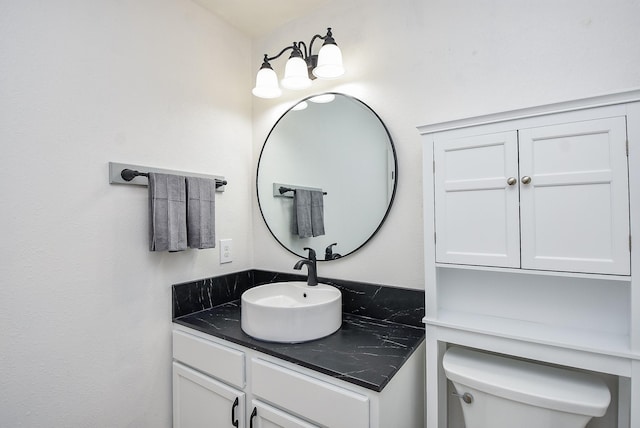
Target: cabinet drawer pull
[(253, 415), (526, 179), (234, 421), (511, 181)]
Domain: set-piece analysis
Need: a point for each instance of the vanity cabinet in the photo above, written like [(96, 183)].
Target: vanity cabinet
[(550, 197), (217, 381)]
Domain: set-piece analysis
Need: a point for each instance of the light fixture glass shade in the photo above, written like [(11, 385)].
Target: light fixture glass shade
[(266, 84), (323, 99), (296, 75), (300, 106), (329, 62)]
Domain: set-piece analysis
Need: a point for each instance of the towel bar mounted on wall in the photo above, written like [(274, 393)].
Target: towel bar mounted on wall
[(279, 190), (129, 174)]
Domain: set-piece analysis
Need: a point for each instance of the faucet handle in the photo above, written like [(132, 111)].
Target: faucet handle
[(312, 253)]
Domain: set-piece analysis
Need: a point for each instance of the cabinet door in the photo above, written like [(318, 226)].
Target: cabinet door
[(476, 209), (200, 401), (575, 208), (265, 416)]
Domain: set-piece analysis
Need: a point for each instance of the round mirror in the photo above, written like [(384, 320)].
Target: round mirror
[(338, 148)]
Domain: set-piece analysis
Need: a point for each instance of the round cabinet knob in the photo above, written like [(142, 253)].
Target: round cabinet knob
[(511, 181), (526, 179)]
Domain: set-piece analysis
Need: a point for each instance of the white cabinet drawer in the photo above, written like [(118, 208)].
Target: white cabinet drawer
[(219, 361), (324, 403)]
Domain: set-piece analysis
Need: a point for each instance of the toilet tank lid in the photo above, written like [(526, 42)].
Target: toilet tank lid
[(530, 383)]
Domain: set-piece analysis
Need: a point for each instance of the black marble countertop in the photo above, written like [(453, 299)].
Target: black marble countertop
[(381, 325), (364, 351)]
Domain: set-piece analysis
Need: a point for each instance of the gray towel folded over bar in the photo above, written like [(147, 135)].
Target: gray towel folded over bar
[(167, 212), (308, 213), (317, 213), (201, 212)]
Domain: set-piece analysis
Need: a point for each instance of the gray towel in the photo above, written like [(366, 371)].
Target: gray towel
[(167, 212), (317, 213), (308, 213), (201, 213)]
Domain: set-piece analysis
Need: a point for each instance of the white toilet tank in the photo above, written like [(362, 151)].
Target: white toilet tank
[(509, 393)]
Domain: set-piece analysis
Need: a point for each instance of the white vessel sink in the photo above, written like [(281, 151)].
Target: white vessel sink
[(291, 312)]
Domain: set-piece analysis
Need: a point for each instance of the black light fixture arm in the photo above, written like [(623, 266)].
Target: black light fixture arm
[(267, 58), (307, 53)]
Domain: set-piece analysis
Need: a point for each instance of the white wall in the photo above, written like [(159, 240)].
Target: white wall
[(425, 61), (85, 308)]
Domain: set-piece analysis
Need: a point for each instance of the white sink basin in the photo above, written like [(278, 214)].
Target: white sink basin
[(291, 312)]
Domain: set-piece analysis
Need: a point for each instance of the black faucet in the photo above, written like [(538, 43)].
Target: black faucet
[(312, 270), (329, 254)]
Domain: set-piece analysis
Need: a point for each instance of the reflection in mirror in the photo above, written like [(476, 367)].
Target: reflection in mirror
[(341, 147)]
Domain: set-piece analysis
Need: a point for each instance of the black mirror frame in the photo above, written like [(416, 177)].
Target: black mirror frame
[(395, 181)]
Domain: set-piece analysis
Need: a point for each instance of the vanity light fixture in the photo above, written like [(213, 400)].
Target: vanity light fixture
[(301, 67)]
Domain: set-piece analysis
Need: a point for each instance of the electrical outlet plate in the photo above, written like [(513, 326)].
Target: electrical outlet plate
[(226, 253)]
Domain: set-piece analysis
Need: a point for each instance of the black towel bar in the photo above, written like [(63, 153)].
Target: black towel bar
[(130, 174), (284, 190)]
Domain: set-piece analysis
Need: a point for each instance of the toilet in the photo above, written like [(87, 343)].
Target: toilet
[(500, 392)]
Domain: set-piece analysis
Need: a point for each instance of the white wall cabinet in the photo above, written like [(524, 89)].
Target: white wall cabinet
[(547, 197), (533, 213), (281, 394)]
